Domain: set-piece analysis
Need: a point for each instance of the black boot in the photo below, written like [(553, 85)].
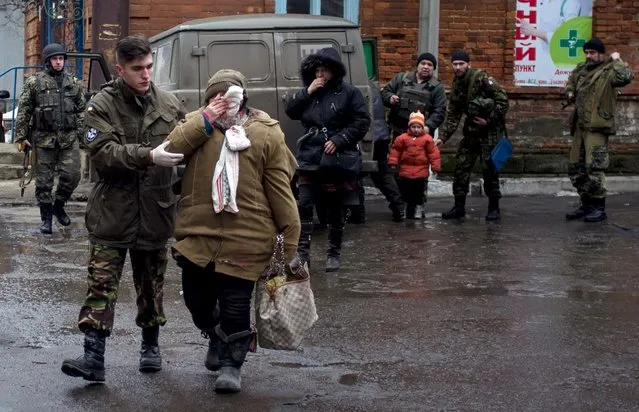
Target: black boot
[(398, 212), (46, 216), (89, 366), (597, 211), (458, 211), (335, 237), (410, 211), (581, 211), (304, 244), (493, 210), (212, 360), (232, 351), (150, 359), (60, 214)]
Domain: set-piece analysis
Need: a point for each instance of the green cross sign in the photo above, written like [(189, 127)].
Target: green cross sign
[(572, 43)]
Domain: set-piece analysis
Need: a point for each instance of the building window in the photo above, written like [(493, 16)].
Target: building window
[(348, 9)]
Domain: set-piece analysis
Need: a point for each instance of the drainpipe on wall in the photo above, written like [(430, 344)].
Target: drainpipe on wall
[(429, 27), (110, 23)]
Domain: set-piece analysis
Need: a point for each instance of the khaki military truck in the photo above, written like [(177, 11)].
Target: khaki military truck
[(267, 49)]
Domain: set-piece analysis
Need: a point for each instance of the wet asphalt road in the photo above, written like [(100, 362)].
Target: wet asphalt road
[(529, 314)]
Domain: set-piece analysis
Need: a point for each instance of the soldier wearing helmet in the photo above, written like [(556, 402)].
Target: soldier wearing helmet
[(50, 117)]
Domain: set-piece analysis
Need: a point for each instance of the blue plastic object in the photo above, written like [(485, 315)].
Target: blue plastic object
[(501, 153)]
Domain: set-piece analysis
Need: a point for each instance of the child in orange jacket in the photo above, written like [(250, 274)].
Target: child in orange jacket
[(412, 153)]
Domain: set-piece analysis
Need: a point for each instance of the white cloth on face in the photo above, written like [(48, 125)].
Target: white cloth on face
[(227, 170), (234, 97)]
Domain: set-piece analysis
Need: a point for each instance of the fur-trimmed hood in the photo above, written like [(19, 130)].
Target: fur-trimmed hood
[(327, 57)]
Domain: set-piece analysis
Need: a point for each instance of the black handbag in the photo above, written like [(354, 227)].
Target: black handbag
[(346, 161)]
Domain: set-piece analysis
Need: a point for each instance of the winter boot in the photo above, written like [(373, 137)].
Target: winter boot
[(212, 360), (46, 217), (581, 211), (150, 359), (410, 211), (334, 252), (493, 210), (398, 212), (60, 214), (89, 366), (458, 211), (232, 351), (304, 244), (419, 212), (597, 211)]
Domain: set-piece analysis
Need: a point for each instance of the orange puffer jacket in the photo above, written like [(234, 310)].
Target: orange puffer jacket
[(413, 155)]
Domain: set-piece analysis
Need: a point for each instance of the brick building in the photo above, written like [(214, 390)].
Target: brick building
[(486, 29)]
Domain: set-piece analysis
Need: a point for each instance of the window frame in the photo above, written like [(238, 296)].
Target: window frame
[(351, 9)]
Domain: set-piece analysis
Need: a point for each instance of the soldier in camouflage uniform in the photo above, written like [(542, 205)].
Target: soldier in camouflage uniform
[(485, 104), (131, 207), (593, 87), (52, 105)]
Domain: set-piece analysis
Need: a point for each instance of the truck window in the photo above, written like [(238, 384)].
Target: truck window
[(252, 58), (294, 51), (162, 65)]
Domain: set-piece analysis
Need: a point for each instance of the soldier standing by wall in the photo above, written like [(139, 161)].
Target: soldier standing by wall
[(592, 86), (485, 104), (131, 207), (52, 104)]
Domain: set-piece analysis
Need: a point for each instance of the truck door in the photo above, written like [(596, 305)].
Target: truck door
[(290, 49), (249, 53)]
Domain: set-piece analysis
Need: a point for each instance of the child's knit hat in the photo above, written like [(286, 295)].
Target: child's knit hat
[(416, 118)]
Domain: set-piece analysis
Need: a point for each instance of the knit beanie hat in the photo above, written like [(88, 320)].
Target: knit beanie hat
[(460, 55), (595, 44), (416, 118), (429, 57), (221, 81)]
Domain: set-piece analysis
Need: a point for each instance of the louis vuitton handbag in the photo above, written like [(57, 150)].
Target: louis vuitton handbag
[(284, 303)]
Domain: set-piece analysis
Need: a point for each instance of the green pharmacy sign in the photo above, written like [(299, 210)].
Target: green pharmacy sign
[(566, 44)]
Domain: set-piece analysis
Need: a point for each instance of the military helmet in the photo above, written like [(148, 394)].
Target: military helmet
[(481, 107), (53, 49)]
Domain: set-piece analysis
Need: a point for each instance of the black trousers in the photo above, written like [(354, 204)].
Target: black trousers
[(203, 288), (382, 179), (413, 190), (331, 205)]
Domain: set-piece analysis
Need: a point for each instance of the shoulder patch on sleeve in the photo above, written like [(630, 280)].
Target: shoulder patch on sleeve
[(91, 135)]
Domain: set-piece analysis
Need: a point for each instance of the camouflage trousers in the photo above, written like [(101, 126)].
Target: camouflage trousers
[(105, 270), (588, 161), (470, 148), (66, 162)]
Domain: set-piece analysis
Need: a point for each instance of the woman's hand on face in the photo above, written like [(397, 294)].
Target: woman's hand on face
[(216, 107), (317, 83)]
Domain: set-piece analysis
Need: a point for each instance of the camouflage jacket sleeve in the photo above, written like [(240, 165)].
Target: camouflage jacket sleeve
[(26, 107), (498, 94), (454, 114), (391, 88), (571, 84), (105, 148), (623, 73), (80, 104), (438, 111)]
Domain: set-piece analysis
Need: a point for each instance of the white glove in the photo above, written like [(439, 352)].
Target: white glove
[(234, 97), (161, 157)]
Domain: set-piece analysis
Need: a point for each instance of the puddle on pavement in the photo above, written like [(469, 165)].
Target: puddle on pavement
[(349, 379)]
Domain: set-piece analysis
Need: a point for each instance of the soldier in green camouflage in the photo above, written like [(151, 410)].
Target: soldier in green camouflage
[(131, 208), (485, 104), (51, 108), (593, 88)]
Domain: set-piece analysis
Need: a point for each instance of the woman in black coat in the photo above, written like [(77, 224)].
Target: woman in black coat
[(335, 116)]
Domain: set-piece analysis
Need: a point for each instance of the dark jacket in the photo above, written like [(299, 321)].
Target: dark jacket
[(338, 106), (379, 117), (435, 107), (132, 204)]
